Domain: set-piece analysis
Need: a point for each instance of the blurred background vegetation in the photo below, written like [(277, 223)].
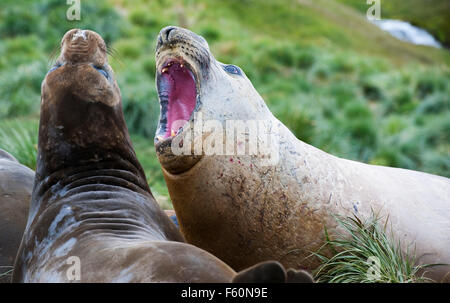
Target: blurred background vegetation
[(337, 81)]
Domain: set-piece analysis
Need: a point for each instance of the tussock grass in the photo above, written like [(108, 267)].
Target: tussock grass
[(364, 253), (20, 140)]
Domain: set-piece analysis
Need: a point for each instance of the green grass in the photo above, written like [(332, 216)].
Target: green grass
[(19, 138), (363, 252)]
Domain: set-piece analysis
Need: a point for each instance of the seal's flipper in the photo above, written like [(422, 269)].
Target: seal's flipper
[(298, 276), (264, 272)]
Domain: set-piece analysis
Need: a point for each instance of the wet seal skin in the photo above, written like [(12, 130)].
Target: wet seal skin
[(16, 184), (92, 216), (244, 212)]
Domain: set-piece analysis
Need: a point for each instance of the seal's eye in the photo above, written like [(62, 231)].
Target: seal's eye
[(232, 69), (101, 71)]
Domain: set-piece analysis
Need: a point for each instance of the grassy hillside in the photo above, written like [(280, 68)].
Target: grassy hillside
[(334, 79)]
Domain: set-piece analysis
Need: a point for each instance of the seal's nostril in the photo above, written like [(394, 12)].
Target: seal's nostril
[(165, 33), (168, 32), (166, 36)]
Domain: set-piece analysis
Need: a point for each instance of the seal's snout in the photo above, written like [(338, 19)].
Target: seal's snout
[(76, 45), (79, 42), (164, 34), (79, 34), (81, 46), (82, 70), (171, 36)]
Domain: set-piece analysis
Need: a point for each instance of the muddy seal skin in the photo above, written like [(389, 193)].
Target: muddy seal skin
[(244, 212), (16, 184), (92, 216)]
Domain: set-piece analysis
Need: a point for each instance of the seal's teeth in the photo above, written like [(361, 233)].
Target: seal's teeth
[(164, 70), (181, 65), (170, 64)]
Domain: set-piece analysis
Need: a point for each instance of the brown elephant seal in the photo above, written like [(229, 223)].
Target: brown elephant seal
[(92, 216), (252, 202), (16, 184)]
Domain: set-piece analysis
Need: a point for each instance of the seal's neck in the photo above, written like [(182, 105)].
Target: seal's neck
[(81, 138)]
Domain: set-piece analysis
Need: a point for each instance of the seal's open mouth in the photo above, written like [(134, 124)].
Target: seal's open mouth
[(178, 97)]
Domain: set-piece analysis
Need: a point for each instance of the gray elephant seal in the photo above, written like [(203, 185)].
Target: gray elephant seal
[(92, 216), (246, 210), (16, 184)]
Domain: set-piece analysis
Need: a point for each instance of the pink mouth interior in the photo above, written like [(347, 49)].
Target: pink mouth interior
[(180, 85)]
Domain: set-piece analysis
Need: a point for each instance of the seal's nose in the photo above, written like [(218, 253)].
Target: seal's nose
[(79, 34), (166, 34), (172, 35), (77, 46), (79, 41)]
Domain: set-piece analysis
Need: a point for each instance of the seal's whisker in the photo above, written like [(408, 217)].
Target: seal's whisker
[(53, 55), (121, 64), (111, 50), (113, 53)]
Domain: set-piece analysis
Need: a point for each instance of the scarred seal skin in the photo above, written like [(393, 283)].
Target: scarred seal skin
[(245, 212), (16, 184), (92, 216)]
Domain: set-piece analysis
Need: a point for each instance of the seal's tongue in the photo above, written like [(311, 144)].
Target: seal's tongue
[(178, 85)]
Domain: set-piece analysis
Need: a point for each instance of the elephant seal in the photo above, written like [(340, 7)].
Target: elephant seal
[(92, 216), (16, 184), (246, 207)]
